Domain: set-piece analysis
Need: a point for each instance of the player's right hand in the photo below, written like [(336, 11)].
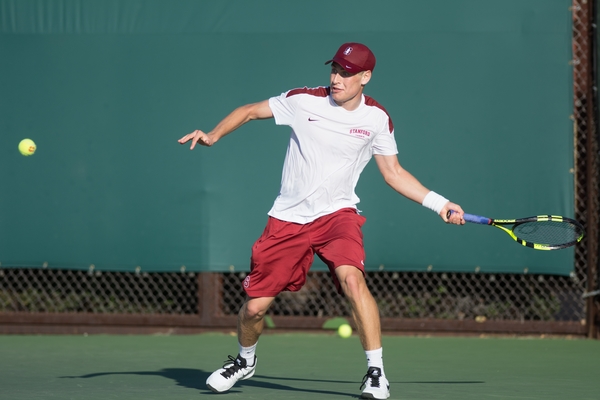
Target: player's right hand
[(197, 137), (453, 214)]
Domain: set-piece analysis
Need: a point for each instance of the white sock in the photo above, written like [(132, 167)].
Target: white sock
[(248, 353), (375, 359)]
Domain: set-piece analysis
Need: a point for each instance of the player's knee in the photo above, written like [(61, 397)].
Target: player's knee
[(255, 310), (353, 284)]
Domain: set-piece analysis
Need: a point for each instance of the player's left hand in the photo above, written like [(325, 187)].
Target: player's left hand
[(198, 137)]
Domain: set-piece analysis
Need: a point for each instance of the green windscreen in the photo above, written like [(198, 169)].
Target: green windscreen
[(480, 93)]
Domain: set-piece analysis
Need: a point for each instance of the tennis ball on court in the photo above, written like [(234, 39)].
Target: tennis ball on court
[(345, 331), (27, 147)]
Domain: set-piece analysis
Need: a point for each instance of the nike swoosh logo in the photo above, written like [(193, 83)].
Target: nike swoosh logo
[(312, 119)]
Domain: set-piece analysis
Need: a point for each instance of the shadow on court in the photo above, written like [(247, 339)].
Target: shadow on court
[(196, 378), (358, 383)]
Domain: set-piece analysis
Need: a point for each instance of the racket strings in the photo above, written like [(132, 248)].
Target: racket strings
[(548, 232)]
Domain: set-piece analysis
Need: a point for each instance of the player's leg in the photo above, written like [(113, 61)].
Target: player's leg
[(366, 318), (251, 319), (280, 260), (250, 326), (339, 243), (364, 308)]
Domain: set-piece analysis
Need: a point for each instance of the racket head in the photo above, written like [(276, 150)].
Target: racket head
[(545, 232)]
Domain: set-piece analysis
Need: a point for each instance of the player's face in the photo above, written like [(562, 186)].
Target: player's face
[(346, 88)]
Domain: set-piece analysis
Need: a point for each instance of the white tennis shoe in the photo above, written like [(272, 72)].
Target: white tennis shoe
[(235, 369), (376, 385)]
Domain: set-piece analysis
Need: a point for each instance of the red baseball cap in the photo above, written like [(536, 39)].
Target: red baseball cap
[(354, 57)]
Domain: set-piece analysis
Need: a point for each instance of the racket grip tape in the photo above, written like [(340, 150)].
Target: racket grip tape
[(475, 219)]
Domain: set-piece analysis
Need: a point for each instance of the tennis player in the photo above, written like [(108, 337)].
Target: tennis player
[(336, 130)]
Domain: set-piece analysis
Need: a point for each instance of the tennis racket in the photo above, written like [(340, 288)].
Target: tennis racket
[(542, 232)]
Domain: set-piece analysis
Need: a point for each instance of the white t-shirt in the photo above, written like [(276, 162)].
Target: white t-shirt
[(329, 147)]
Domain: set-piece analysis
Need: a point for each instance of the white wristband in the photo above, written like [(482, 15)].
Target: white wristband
[(434, 202)]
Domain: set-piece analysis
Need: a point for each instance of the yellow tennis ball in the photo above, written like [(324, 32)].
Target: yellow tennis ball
[(27, 147), (345, 331)]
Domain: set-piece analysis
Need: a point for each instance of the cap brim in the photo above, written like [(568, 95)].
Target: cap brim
[(348, 66)]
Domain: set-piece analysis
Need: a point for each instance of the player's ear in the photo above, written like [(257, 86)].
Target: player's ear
[(366, 77)]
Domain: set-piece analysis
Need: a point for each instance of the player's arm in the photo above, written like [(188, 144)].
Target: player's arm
[(234, 120), (408, 186)]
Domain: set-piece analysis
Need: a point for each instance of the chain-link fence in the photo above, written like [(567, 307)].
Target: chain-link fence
[(434, 295), (402, 296), (70, 291)]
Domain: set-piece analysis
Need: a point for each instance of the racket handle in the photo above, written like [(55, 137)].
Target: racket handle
[(475, 219)]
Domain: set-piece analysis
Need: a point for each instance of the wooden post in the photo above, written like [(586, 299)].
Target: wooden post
[(591, 164), (208, 297)]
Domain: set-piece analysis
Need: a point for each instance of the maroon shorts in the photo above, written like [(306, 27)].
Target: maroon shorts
[(283, 254)]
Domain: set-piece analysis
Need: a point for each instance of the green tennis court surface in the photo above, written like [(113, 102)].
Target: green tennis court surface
[(296, 366)]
